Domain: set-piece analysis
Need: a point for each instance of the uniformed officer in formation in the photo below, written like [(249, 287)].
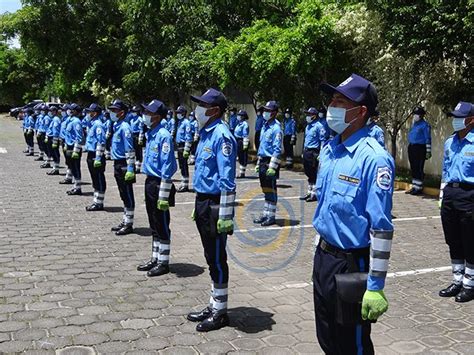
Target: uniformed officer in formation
[(53, 139), (233, 119), (241, 134), (259, 121), (47, 118), (22, 116), (289, 137), (375, 131), (195, 133), (74, 139), (66, 113), (123, 155), (419, 149), (29, 128), (315, 137), (353, 218), (39, 114), (136, 123), (214, 183), (171, 123), (159, 165), (95, 147), (268, 164), (457, 202), (184, 140)]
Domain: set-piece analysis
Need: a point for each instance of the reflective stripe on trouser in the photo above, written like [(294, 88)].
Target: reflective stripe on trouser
[(269, 188), (468, 280), (458, 267), (155, 248), (164, 251), (219, 297), (125, 189), (417, 157)]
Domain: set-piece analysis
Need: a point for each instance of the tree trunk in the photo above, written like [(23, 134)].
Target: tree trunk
[(393, 143)]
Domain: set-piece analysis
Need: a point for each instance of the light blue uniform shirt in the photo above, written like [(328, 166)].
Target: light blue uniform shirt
[(39, 123), (420, 133), (95, 137), (159, 160), (216, 155), (136, 124), (62, 129), (376, 132), (74, 133), (29, 122), (259, 121), (171, 125), (270, 140), (289, 126), (183, 134), (54, 127), (233, 121), (242, 129), (354, 189), (315, 135), (122, 143), (458, 164)]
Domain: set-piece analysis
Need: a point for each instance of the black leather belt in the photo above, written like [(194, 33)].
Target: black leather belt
[(462, 185), (341, 253)]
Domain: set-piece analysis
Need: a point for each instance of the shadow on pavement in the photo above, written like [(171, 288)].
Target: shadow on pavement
[(142, 231), (283, 186), (186, 270), (113, 209), (287, 222), (250, 319)]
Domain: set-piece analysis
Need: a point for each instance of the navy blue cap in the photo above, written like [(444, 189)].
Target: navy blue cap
[(156, 106), (419, 110), (43, 107), (211, 97), (322, 109), (260, 108), (271, 106), (242, 113), (356, 89), (463, 109), (93, 108), (191, 114), (170, 112), (181, 109), (312, 111), (53, 108), (118, 105), (288, 110), (75, 107)]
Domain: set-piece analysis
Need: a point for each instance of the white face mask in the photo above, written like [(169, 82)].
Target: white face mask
[(168, 116), (63, 114), (180, 116), (50, 114), (320, 115), (336, 118), (88, 117), (287, 115), (239, 118), (267, 115), (43, 113), (147, 120), (309, 119), (113, 116), (416, 118), (68, 112), (458, 124), (200, 113)]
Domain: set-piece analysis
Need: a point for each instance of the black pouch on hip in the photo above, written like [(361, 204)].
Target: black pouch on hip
[(350, 289)]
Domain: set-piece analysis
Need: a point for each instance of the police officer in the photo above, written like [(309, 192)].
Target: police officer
[(268, 164), (241, 134), (29, 128), (95, 147), (53, 139), (195, 133), (375, 131), (74, 139), (289, 137), (259, 121), (315, 137), (136, 123), (22, 115), (47, 143), (108, 126), (40, 111), (353, 218), (419, 149), (214, 182), (171, 123), (66, 113), (184, 139), (123, 156), (159, 165), (457, 203)]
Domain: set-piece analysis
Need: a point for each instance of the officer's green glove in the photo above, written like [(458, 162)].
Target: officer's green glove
[(54, 146), (97, 163), (75, 155), (129, 176), (440, 203), (193, 215), (185, 154), (140, 143), (225, 226), (257, 168), (428, 155), (46, 140), (163, 205), (64, 149), (374, 304), (271, 172)]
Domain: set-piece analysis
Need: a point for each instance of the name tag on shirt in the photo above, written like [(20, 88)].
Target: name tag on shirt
[(350, 179)]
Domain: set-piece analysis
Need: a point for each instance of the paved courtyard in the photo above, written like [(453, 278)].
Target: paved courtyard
[(70, 286)]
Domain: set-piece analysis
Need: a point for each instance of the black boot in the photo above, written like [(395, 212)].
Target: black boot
[(147, 265), (304, 197), (95, 207), (260, 219), (117, 228), (53, 172), (39, 159), (30, 154), (158, 270), (268, 222), (200, 316), (213, 323), (66, 182), (451, 291), (183, 189), (466, 295), (126, 229), (45, 165), (311, 198), (74, 191)]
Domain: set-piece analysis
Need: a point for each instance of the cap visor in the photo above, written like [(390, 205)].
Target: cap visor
[(199, 99), (113, 107), (457, 114)]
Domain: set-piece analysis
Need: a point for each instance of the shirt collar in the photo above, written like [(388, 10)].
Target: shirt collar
[(213, 125), (469, 137), (155, 130), (352, 142)]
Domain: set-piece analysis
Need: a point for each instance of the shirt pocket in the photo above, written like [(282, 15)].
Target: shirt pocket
[(468, 163), (343, 197), (207, 162)]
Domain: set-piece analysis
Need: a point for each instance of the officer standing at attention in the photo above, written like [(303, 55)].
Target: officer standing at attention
[(159, 165), (419, 149), (184, 139), (108, 126), (289, 137), (22, 115), (53, 139), (74, 139), (374, 130), (29, 127), (40, 111), (241, 134), (259, 121), (195, 133), (136, 123), (171, 123), (47, 119), (233, 119), (315, 138), (66, 113), (95, 147), (353, 217), (457, 203), (268, 164), (214, 182), (123, 156)]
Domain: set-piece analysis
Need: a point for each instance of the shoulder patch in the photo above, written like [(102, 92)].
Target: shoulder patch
[(78, 126), (128, 133), (227, 149), (166, 147), (278, 136), (98, 130), (384, 178)]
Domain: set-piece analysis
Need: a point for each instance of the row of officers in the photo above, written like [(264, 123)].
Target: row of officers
[(354, 187)]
